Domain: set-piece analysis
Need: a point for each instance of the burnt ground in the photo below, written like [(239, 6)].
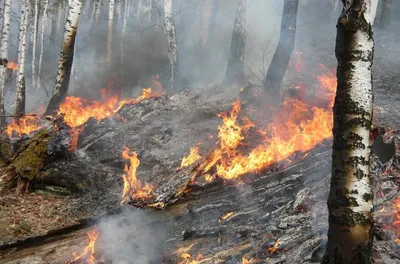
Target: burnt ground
[(286, 203)]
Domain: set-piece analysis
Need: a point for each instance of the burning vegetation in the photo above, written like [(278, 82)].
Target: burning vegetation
[(88, 254)]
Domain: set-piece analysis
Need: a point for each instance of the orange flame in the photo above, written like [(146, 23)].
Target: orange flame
[(274, 248), (396, 223), (188, 259), (24, 125), (246, 261), (133, 187), (297, 127), (87, 255), (12, 66), (192, 158), (226, 216)]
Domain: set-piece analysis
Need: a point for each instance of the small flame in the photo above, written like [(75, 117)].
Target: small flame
[(87, 255), (192, 158), (24, 125), (188, 259), (12, 66), (246, 261), (274, 248), (74, 136), (133, 187), (226, 216)]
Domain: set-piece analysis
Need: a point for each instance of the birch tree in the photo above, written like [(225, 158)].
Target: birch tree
[(235, 70), (139, 10), (66, 58), (284, 50), (170, 33), (118, 9), (34, 38), (350, 202), (20, 95), (151, 8), (44, 20), (5, 36), (98, 12), (110, 32), (123, 36)]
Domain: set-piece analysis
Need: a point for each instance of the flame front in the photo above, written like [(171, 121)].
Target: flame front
[(192, 158), (24, 125), (133, 187), (87, 255), (12, 66), (297, 127)]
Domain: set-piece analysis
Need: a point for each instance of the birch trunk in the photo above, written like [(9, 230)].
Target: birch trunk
[(98, 12), (151, 7), (118, 10), (66, 58), (139, 10), (5, 36), (123, 36), (44, 20), (235, 70), (170, 33), (35, 27), (20, 95), (283, 52), (93, 12), (386, 14), (110, 32), (350, 202)]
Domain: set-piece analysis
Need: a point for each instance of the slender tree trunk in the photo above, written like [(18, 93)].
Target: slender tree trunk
[(139, 10), (123, 36), (151, 8), (5, 36), (386, 14), (93, 12), (213, 21), (110, 33), (283, 52), (44, 19), (35, 27), (170, 33), (98, 12), (235, 70), (350, 202), (20, 95), (118, 10), (66, 58)]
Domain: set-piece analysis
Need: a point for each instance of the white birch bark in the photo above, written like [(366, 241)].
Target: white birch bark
[(44, 20), (139, 10), (20, 95), (35, 23), (123, 35), (170, 33), (235, 70), (59, 18), (118, 10), (350, 203), (110, 32), (98, 12), (5, 36), (93, 12), (66, 58)]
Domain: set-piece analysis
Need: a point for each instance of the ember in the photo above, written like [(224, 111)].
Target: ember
[(274, 248), (225, 216), (133, 187), (192, 158), (12, 66), (87, 256), (246, 261), (297, 127)]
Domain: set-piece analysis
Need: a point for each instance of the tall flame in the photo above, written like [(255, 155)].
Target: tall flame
[(87, 255), (133, 187), (297, 127), (191, 158)]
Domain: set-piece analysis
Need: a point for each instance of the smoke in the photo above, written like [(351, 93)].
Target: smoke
[(130, 237)]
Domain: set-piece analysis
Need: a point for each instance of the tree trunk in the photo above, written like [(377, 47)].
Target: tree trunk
[(213, 21), (139, 10), (5, 35), (386, 14), (283, 52), (123, 36), (110, 33), (118, 10), (20, 95), (35, 27), (350, 200), (44, 20), (66, 58), (235, 70), (151, 8), (170, 33), (98, 12)]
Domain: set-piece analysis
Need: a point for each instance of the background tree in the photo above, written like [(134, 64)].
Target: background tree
[(110, 32), (386, 14), (283, 52), (66, 58), (5, 35), (20, 95), (170, 33), (235, 70), (350, 200)]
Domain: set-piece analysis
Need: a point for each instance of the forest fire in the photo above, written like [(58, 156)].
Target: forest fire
[(12, 66), (191, 158), (133, 187), (88, 255), (298, 126), (23, 126)]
